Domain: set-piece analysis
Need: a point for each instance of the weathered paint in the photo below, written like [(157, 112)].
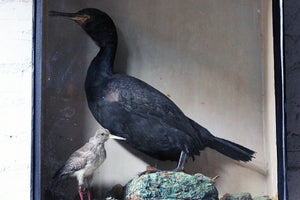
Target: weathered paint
[(15, 98)]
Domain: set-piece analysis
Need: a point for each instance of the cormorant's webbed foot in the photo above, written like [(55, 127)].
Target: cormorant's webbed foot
[(149, 172), (179, 167), (157, 170), (176, 170)]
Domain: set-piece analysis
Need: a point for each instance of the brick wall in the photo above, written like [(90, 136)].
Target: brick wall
[(15, 100)]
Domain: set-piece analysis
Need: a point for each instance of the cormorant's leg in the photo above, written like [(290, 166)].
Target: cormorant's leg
[(181, 162), (80, 193)]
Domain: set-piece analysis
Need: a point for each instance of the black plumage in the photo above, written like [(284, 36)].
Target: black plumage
[(132, 109)]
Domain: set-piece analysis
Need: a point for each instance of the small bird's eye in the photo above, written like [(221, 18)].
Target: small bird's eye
[(102, 134)]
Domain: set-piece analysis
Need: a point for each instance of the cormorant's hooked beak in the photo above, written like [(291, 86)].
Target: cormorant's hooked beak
[(116, 137), (79, 18)]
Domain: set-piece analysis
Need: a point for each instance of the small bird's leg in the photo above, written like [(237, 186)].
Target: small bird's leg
[(80, 193), (87, 181), (181, 162), (89, 194)]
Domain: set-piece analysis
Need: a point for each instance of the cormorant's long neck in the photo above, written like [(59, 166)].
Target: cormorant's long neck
[(101, 66)]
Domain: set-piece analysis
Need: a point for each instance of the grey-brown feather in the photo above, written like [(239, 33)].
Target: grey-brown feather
[(79, 159), (83, 162)]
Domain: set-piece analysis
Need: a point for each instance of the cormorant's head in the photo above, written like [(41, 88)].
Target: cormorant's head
[(97, 24), (102, 135)]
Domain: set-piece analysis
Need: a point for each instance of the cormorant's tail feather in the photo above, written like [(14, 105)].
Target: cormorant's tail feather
[(231, 149)]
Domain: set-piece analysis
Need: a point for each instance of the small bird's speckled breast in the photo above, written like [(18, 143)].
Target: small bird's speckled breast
[(100, 156)]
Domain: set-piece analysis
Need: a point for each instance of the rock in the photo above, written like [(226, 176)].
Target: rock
[(117, 192), (240, 196), (171, 185), (111, 198), (243, 196), (262, 198)]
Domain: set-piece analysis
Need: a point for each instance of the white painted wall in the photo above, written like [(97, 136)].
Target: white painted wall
[(208, 56), (15, 100)]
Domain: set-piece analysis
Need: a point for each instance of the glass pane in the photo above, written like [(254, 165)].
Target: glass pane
[(213, 59)]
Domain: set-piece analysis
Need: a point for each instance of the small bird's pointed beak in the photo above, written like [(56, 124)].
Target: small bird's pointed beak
[(116, 137), (79, 18)]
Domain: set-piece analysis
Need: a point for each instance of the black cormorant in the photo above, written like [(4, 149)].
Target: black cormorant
[(132, 109)]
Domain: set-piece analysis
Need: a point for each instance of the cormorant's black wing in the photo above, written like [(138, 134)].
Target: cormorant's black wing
[(139, 98)]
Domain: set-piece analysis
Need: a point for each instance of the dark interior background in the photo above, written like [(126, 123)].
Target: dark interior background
[(292, 76)]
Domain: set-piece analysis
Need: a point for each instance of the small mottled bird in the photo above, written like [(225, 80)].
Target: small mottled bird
[(149, 120), (83, 162)]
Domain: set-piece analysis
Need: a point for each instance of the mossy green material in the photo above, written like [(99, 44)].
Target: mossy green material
[(171, 185)]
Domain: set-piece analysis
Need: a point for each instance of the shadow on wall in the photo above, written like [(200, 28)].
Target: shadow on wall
[(66, 60), (64, 104), (191, 166)]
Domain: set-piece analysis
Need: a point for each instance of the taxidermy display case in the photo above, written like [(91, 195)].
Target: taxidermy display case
[(213, 59)]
